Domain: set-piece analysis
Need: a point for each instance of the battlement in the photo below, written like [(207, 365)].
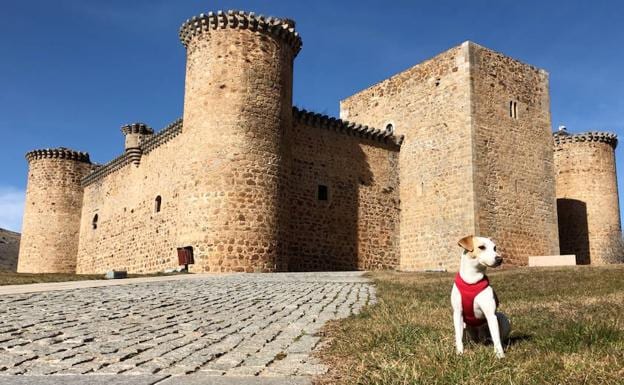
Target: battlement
[(282, 29), (134, 154), (58, 153), (165, 135), (564, 137), (137, 128), (346, 127)]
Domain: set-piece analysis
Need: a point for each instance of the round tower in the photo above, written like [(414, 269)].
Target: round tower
[(237, 107), (50, 228), (587, 196)]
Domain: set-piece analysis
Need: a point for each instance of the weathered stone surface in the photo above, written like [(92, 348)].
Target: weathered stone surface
[(234, 325), (81, 380), (587, 197), (51, 222), (467, 166)]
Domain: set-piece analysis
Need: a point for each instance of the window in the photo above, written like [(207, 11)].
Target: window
[(157, 204), (94, 222), (322, 194), (390, 128), (513, 109)]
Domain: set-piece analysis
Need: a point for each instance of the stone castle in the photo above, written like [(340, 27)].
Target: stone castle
[(459, 144)]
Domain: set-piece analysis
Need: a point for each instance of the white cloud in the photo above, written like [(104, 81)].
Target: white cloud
[(11, 208)]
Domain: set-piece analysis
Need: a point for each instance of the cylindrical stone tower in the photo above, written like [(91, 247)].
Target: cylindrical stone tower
[(50, 228), (587, 197), (237, 107)]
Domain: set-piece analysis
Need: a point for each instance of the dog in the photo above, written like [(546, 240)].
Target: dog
[(473, 299)]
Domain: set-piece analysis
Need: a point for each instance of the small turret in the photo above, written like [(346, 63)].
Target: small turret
[(51, 222), (135, 134)]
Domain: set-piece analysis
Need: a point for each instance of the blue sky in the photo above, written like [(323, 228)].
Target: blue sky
[(73, 71)]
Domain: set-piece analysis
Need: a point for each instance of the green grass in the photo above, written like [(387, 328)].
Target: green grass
[(567, 328)]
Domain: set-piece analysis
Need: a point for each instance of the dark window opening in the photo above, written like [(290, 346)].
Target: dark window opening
[(390, 128), (95, 222), (322, 193), (513, 109), (158, 204)]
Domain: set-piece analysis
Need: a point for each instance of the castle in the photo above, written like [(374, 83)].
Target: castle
[(459, 144)]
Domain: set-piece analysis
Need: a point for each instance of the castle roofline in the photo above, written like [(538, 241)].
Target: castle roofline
[(166, 134), (280, 28), (58, 153), (590, 136), (346, 127), (472, 44), (137, 128), (468, 45)]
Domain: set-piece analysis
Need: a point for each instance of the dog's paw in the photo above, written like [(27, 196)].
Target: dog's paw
[(500, 355), (459, 351)]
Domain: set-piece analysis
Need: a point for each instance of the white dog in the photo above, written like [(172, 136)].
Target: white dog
[(473, 299)]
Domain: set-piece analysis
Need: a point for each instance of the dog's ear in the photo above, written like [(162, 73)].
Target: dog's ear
[(467, 243)]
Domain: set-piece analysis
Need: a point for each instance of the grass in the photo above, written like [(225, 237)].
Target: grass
[(12, 278), (567, 328)]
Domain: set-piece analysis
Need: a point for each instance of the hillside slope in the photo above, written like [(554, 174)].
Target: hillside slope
[(9, 248)]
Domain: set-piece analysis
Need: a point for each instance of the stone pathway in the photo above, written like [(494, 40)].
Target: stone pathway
[(187, 331)]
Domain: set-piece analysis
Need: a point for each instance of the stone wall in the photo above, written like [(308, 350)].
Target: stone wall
[(357, 227), (430, 105), (51, 223), (129, 234), (237, 106), (513, 152), (467, 167), (587, 197)]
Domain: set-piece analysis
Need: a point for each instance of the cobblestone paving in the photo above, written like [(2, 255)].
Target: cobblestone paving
[(237, 325)]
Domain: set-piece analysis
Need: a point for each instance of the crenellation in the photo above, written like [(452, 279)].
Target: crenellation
[(349, 128), (282, 29), (58, 153)]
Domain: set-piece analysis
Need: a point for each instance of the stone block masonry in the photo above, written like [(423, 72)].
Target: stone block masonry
[(587, 197), (228, 325), (459, 144)]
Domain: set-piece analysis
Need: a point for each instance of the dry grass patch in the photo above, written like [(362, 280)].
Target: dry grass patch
[(567, 328)]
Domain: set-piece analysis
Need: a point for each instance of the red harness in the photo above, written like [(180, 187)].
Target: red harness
[(468, 293)]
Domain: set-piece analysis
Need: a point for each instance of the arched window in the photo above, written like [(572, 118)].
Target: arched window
[(157, 204), (95, 221), (390, 128)]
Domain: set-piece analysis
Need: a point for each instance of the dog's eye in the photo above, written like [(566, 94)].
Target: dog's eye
[(482, 247), (494, 248)]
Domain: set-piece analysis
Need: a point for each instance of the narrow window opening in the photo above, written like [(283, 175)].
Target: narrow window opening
[(94, 223), (513, 109), (390, 128), (158, 204), (322, 194)]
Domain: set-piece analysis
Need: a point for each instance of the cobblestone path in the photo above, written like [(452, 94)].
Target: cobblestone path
[(235, 325)]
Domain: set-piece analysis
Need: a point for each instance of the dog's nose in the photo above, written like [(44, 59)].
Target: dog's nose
[(498, 260)]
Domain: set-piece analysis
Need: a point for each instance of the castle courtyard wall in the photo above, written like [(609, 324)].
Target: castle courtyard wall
[(514, 174), (430, 105), (357, 227)]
